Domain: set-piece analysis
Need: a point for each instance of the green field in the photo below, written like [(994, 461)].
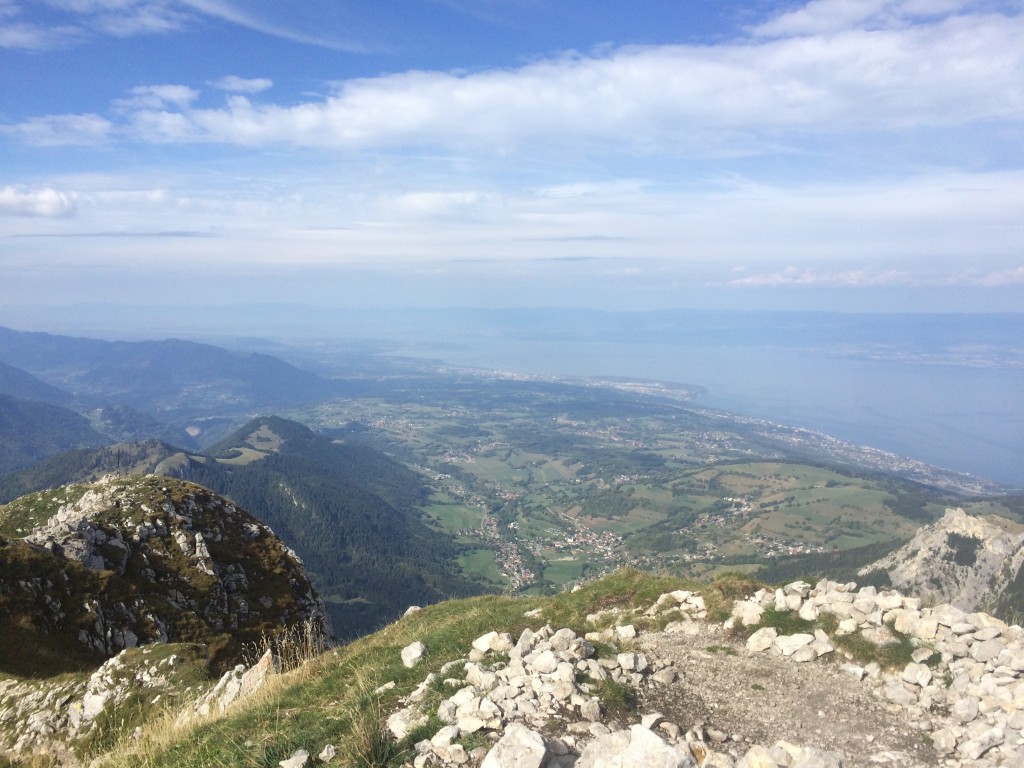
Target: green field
[(453, 517), (480, 562), (563, 570)]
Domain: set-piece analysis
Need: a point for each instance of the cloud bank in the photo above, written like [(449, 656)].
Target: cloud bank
[(794, 75)]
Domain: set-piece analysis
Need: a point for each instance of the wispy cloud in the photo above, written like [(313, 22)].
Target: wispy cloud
[(804, 277), (46, 202), (145, 97), (230, 12), (1000, 279), (61, 130), (17, 33), (822, 17), (85, 19), (236, 84)]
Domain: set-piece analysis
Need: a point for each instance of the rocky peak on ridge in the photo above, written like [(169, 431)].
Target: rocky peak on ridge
[(973, 563), (127, 561)]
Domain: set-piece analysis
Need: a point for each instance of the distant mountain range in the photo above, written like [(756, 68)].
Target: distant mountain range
[(59, 393), (172, 379), (350, 512)]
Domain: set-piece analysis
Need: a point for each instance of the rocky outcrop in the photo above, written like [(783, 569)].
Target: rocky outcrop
[(966, 561), (51, 716), (964, 684), (133, 560), (549, 698)]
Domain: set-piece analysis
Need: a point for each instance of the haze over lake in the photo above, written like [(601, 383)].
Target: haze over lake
[(944, 389)]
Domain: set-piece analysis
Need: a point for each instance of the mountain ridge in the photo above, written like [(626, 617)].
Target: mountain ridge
[(351, 512), (632, 670), (174, 379)]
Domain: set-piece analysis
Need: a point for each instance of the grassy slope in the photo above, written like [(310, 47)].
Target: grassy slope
[(331, 700)]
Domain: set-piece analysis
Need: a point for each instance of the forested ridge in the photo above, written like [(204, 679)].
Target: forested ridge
[(349, 511)]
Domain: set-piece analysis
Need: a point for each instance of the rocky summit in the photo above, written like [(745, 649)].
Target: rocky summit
[(621, 673), (127, 561)]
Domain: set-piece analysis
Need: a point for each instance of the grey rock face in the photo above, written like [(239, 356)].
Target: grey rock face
[(962, 560)]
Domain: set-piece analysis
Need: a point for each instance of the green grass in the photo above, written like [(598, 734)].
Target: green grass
[(725, 650), (786, 622), (892, 655), (330, 700), (620, 700)]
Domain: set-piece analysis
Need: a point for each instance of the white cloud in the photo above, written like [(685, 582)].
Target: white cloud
[(812, 278), (158, 97), (725, 99), (125, 18), (1001, 279), (47, 202), (59, 130), (236, 84), (744, 97), (823, 17), (29, 36)]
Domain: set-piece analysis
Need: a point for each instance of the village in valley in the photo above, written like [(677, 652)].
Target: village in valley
[(553, 490)]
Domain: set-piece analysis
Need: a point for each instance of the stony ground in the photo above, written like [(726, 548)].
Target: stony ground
[(760, 699)]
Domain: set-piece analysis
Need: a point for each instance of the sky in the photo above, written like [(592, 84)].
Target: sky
[(857, 155)]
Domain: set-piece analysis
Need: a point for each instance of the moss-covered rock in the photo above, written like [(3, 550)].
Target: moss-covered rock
[(126, 561)]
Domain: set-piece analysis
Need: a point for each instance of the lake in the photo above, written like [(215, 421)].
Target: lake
[(951, 395)]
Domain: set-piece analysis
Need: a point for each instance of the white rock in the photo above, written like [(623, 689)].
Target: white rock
[(762, 640), (626, 632), (652, 720), (788, 644), (413, 653), (637, 747), (916, 674), (855, 671), (965, 709), (544, 662), (327, 753), (747, 613), (944, 741), (519, 747), (299, 759), (977, 747)]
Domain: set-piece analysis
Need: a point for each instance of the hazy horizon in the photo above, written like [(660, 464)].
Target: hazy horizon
[(946, 389)]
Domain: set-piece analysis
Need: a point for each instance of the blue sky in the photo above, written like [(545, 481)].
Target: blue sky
[(832, 154)]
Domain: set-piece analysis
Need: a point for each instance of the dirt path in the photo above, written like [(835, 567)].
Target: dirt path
[(762, 698)]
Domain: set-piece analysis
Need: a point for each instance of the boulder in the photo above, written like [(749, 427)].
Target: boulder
[(413, 654), (637, 747), (519, 747)]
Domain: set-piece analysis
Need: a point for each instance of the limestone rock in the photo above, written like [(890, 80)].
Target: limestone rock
[(413, 654), (519, 747), (637, 747)]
